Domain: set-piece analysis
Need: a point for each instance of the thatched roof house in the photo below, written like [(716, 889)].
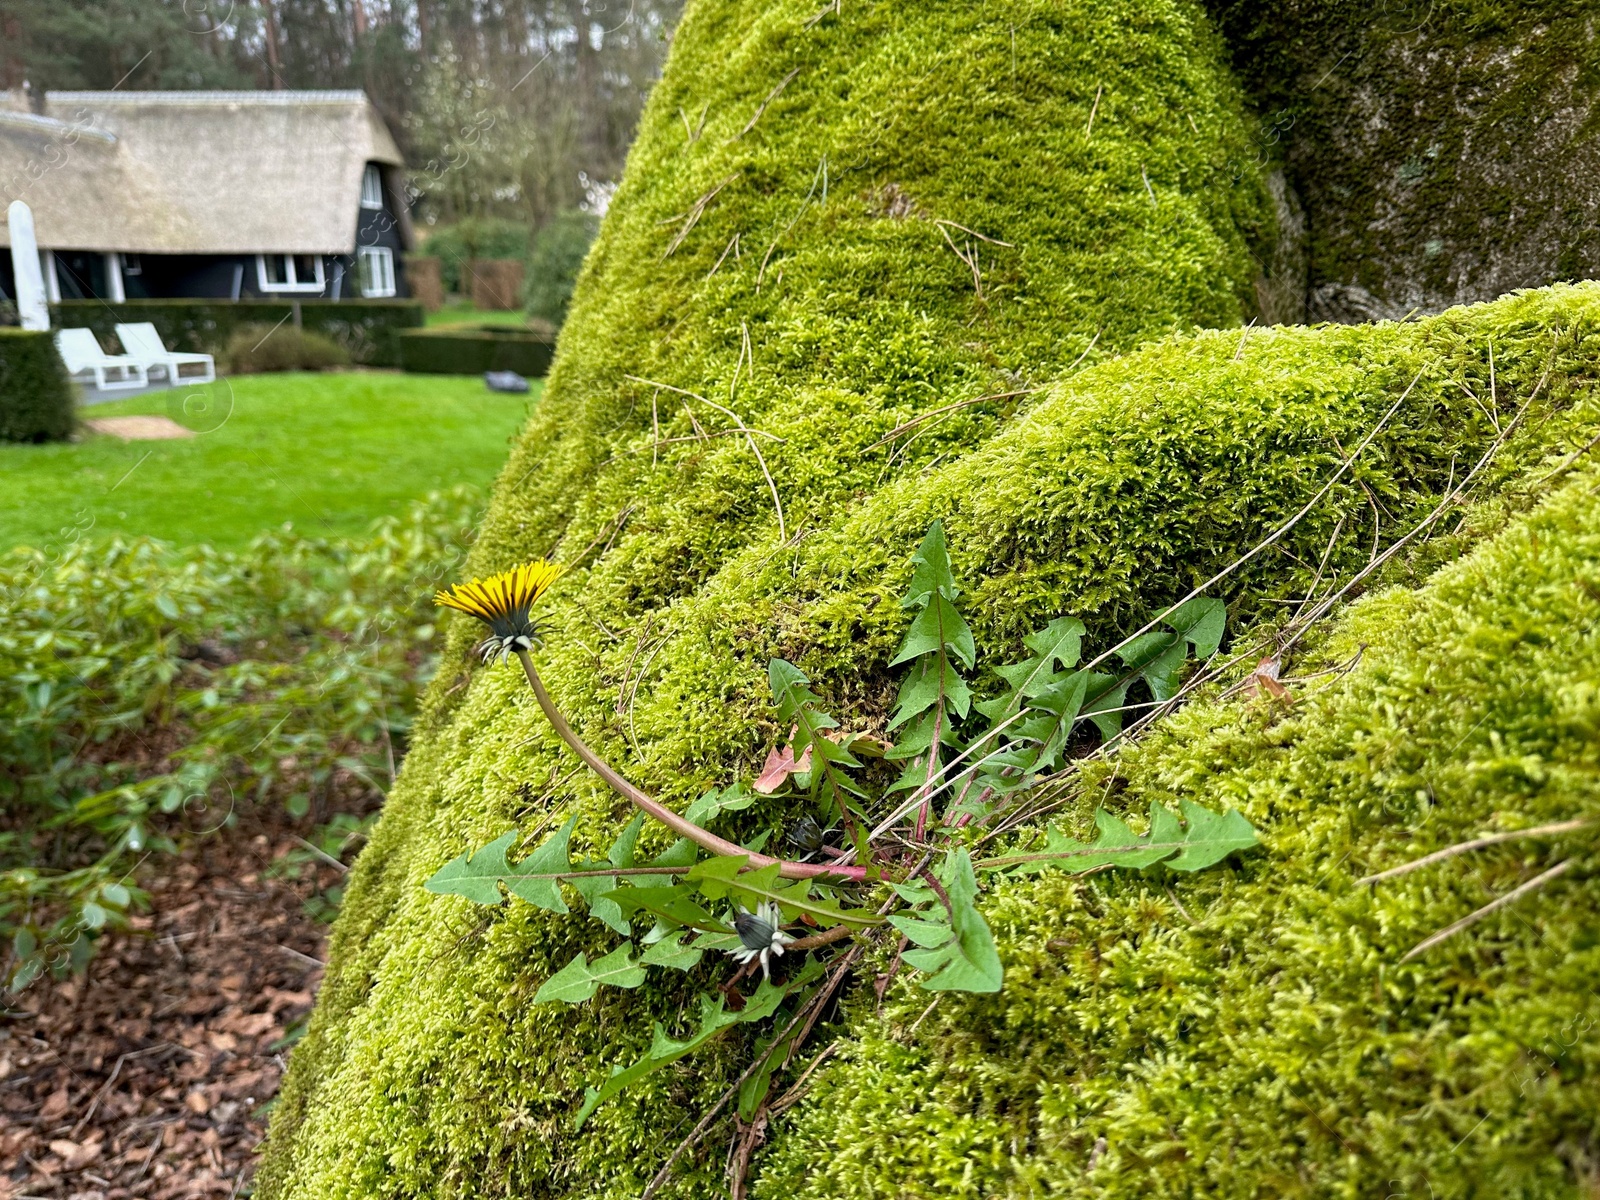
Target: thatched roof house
[(207, 194)]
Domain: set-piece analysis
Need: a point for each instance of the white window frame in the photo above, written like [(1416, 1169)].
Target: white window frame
[(371, 187), (294, 284), (385, 282)]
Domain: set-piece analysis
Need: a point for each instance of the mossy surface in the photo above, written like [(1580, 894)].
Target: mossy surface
[(1114, 493), (838, 314), (1251, 1032)]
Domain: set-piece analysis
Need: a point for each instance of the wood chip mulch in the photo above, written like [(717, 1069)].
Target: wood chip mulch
[(150, 1078)]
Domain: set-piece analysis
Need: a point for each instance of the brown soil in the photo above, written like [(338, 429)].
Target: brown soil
[(151, 1077), (140, 429)]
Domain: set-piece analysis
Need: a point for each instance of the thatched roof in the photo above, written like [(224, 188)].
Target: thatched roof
[(195, 172)]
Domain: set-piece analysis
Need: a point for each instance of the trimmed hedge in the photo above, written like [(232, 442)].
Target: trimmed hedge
[(367, 330), (36, 399), (474, 351)]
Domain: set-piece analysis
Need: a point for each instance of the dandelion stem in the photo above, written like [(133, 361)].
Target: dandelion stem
[(680, 825)]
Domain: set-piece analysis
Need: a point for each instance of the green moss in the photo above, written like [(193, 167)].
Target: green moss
[(426, 1063), (427, 1071), (1250, 1032)]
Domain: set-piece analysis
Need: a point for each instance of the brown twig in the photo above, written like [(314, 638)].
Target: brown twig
[(947, 408), (974, 233), (750, 439), (733, 245), (696, 210), (818, 940)]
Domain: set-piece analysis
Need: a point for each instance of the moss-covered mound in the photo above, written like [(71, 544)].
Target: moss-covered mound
[(1112, 494), (1253, 1032), (1445, 150), (810, 237)]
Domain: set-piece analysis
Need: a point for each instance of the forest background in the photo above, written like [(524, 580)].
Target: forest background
[(512, 114)]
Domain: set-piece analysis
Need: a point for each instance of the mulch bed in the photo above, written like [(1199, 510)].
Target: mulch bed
[(151, 1077)]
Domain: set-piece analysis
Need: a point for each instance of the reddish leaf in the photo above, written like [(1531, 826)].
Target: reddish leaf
[(779, 766), (1263, 681)]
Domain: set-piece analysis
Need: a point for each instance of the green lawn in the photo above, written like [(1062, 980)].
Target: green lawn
[(461, 312), (327, 452)]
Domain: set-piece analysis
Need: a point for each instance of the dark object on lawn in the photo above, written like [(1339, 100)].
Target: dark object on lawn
[(257, 348), (505, 381), (36, 399)]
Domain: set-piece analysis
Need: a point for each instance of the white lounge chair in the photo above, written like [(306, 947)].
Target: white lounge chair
[(143, 344), (83, 356)]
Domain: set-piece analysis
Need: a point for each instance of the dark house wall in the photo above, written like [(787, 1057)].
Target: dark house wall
[(82, 274)]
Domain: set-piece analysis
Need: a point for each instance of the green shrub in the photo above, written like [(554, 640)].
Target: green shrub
[(367, 330), (257, 348), (458, 351), (474, 237), (553, 263), (283, 674), (36, 397)]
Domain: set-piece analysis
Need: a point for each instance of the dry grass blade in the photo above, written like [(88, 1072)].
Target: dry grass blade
[(983, 236), (750, 440), (1466, 922), (733, 247), (971, 260), (921, 418), (771, 96), (696, 210), (1244, 336), (1272, 538), (820, 175), (1493, 839)]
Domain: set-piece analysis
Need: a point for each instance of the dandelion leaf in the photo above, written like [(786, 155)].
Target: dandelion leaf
[(477, 875)]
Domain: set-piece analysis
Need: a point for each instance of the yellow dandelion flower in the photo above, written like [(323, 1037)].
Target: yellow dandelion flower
[(502, 602)]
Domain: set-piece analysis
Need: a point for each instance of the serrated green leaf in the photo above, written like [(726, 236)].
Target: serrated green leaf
[(938, 627), (1202, 622), (594, 888), (1208, 839), (931, 569), (714, 802), (931, 680), (721, 878), (671, 952), (1103, 700), (1211, 837), (922, 933), (476, 876), (579, 980), (681, 853), (622, 850), (967, 960), (550, 858), (675, 905), (1060, 642), (714, 1018), (753, 1091)]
